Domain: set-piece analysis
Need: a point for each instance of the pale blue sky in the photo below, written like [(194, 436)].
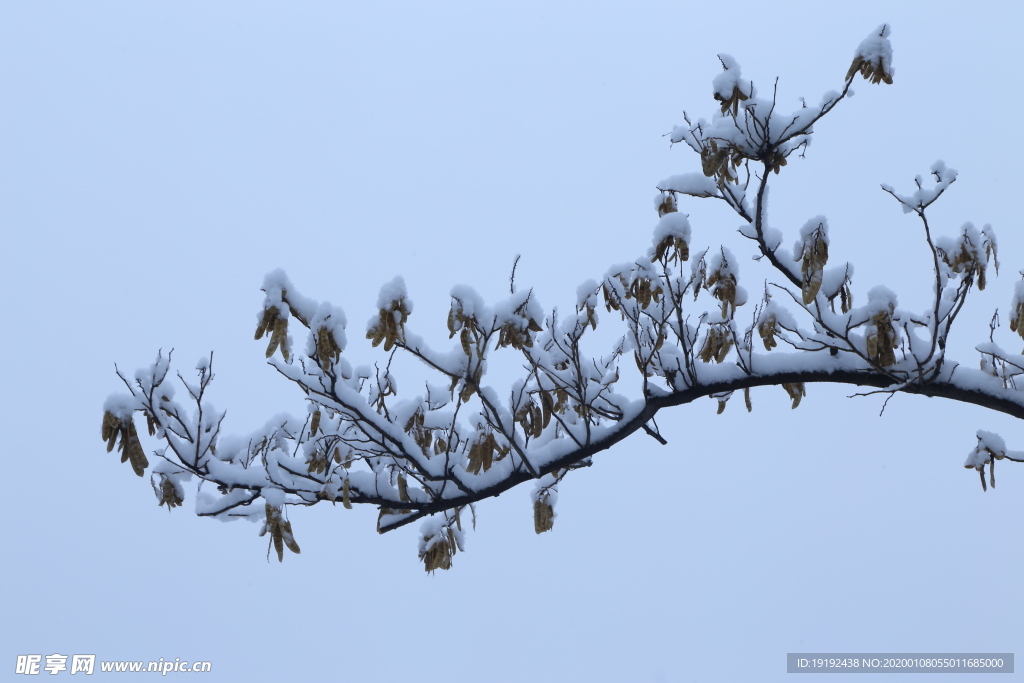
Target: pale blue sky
[(157, 159)]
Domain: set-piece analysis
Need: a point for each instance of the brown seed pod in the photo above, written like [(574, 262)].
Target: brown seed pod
[(267, 322), (543, 515), (111, 429), (732, 102), (439, 554), (882, 340), (768, 328), (133, 450), (795, 390)]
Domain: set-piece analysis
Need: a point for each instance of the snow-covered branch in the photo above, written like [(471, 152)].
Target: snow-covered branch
[(682, 318)]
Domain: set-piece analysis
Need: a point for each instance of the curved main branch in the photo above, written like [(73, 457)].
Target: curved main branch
[(653, 404)]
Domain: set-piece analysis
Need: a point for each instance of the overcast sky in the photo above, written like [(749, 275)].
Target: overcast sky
[(157, 159)]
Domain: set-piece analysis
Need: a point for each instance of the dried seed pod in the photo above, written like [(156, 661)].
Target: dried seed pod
[(731, 101), (882, 340), (277, 336), (543, 515), (814, 257), (266, 322), (768, 328), (280, 532), (438, 555), (327, 349), (132, 450), (871, 70), (717, 344), (168, 493), (403, 489), (746, 399), (667, 204), (111, 429), (845, 298), (314, 424), (1017, 318), (795, 390)]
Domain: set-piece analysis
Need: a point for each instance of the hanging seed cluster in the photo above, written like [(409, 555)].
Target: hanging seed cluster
[(882, 340), (438, 552), (673, 247), (611, 299), (168, 493), (280, 532), (667, 204), (1017, 318), (543, 514), (774, 160), (720, 161), (129, 445), (318, 462), (469, 332), (967, 259), (532, 419), (722, 285), (644, 291), (872, 70), (484, 452), (550, 406), (795, 390), (813, 258), (731, 102), (327, 350), (511, 334), (845, 298), (768, 328), (717, 344), (469, 384), (276, 326), (390, 326), (982, 456), (423, 437)]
